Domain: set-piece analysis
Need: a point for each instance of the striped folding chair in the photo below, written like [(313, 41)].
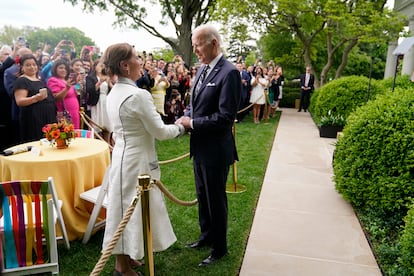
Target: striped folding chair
[(28, 232), (84, 133)]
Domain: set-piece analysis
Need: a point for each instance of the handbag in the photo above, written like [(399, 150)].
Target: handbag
[(64, 115)]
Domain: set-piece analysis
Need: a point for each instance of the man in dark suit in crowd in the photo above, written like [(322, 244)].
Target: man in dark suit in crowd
[(7, 60), (306, 88), (10, 76), (246, 87), (210, 115)]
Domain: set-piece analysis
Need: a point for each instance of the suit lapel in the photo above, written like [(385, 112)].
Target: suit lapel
[(213, 72)]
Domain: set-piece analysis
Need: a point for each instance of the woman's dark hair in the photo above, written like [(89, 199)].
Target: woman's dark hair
[(113, 56), (56, 64), (22, 60), (174, 94)]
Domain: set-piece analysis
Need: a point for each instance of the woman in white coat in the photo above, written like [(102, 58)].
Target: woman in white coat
[(135, 125)]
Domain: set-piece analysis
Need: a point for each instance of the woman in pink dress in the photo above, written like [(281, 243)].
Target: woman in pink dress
[(64, 91)]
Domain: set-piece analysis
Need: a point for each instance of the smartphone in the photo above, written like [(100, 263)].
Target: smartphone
[(21, 40), (72, 77)]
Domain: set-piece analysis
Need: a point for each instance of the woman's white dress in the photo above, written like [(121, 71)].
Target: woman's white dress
[(98, 112), (257, 96), (135, 125)]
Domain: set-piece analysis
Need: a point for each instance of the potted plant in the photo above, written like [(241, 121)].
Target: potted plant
[(331, 124), (59, 134)]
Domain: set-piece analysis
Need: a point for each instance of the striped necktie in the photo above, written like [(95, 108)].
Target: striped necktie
[(201, 79)]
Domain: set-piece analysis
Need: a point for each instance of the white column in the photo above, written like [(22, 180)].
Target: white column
[(408, 63), (391, 60)]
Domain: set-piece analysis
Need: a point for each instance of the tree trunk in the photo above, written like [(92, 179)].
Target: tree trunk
[(345, 55), (329, 61)]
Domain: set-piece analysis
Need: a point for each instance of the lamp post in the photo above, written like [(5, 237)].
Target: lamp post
[(370, 76)]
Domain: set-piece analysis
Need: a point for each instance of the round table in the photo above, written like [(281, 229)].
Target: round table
[(75, 169)]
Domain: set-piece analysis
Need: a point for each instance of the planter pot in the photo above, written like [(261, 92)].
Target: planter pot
[(297, 103), (61, 144), (329, 131)]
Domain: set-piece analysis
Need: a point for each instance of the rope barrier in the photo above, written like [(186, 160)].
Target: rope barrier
[(172, 197), (86, 119), (108, 250), (174, 159)]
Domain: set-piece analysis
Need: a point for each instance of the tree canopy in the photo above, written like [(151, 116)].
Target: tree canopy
[(184, 15), (337, 26), (36, 37)]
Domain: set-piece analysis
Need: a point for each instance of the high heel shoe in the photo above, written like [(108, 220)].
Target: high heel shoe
[(135, 263)]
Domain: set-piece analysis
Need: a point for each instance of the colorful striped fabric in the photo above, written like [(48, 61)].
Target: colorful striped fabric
[(84, 133), (24, 204)]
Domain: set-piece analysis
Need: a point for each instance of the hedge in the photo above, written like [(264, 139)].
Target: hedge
[(374, 160), (343, 96)]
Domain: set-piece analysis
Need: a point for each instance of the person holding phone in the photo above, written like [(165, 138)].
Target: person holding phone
[(63, 89), (159, 90), (36, 109)]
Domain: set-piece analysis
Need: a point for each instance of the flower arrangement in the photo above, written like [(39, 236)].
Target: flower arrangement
[(62, 130)]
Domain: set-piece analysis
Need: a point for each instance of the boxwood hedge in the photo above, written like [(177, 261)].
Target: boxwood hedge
[(407, 243), (343, 96), (402, 82), (374, 160)]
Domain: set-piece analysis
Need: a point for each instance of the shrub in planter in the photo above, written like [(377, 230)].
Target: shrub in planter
[(342, 96), (374, 159), (331, 124)]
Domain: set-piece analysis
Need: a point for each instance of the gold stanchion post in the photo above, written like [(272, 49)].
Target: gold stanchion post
[(235, 188), (266, 111), (144, 183)]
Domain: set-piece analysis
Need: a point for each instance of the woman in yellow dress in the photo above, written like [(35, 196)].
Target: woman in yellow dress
[(158, 92)]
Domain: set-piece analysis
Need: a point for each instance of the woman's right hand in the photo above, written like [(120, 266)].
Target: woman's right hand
[(69, 83)]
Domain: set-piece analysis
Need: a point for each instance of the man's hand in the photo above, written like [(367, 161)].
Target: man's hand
[(185, 121)]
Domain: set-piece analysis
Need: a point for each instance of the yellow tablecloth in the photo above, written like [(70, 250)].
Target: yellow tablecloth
[(75, 169)]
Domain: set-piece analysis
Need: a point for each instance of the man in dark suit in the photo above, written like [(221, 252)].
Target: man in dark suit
[(7, 60), (306, 88), (210, 115), (246, 87)]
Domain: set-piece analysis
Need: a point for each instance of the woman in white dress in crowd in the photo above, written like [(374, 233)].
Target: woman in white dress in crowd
[(99, 113), (258, 98), (135, 124)]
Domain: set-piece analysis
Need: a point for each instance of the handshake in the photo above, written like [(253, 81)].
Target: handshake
[(184, 122)]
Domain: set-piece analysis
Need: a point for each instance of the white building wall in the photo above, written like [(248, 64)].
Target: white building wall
[(405, 7)]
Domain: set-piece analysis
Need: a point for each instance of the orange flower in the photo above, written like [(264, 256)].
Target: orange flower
[(55, 134), (60, 130)]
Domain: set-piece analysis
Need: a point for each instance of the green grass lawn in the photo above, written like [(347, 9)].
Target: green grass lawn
[(254, 143)]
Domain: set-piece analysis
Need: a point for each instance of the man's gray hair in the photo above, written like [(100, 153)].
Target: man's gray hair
[(5, 48), (210, 32)]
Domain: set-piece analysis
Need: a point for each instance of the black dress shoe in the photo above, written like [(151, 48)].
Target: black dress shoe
[(197, 244), (208, 261), (299, 110)]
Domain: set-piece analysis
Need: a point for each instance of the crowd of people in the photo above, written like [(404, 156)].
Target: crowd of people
[(75, 82)]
